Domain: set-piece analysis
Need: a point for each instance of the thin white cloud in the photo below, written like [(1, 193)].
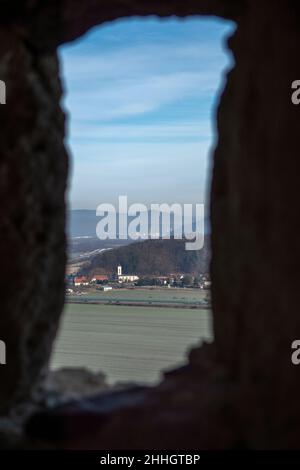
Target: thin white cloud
[(141, 112), (137, 60), (192, 130), (137, 80), (127, 98)]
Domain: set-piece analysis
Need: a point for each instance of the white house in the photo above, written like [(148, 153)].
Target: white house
[(81, 281), (126, 277)]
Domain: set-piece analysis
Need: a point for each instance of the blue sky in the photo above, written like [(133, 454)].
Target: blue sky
[(141, 97)]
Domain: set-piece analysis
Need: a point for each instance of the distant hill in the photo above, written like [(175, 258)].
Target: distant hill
[(157, 257), (81, 224)]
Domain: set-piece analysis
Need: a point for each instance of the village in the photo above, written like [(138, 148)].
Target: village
[(118, 280)]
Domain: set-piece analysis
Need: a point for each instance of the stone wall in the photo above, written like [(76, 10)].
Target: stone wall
[(242, 390), (255, 220), (33, 171)]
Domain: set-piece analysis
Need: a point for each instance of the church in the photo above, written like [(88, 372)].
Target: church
[(126, 277)]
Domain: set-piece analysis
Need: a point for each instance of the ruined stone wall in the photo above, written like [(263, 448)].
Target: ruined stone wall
[(255, 220), (242, 390), (33, 170)]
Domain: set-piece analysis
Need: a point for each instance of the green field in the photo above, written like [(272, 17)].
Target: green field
[(128, 344), (154, 296)]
